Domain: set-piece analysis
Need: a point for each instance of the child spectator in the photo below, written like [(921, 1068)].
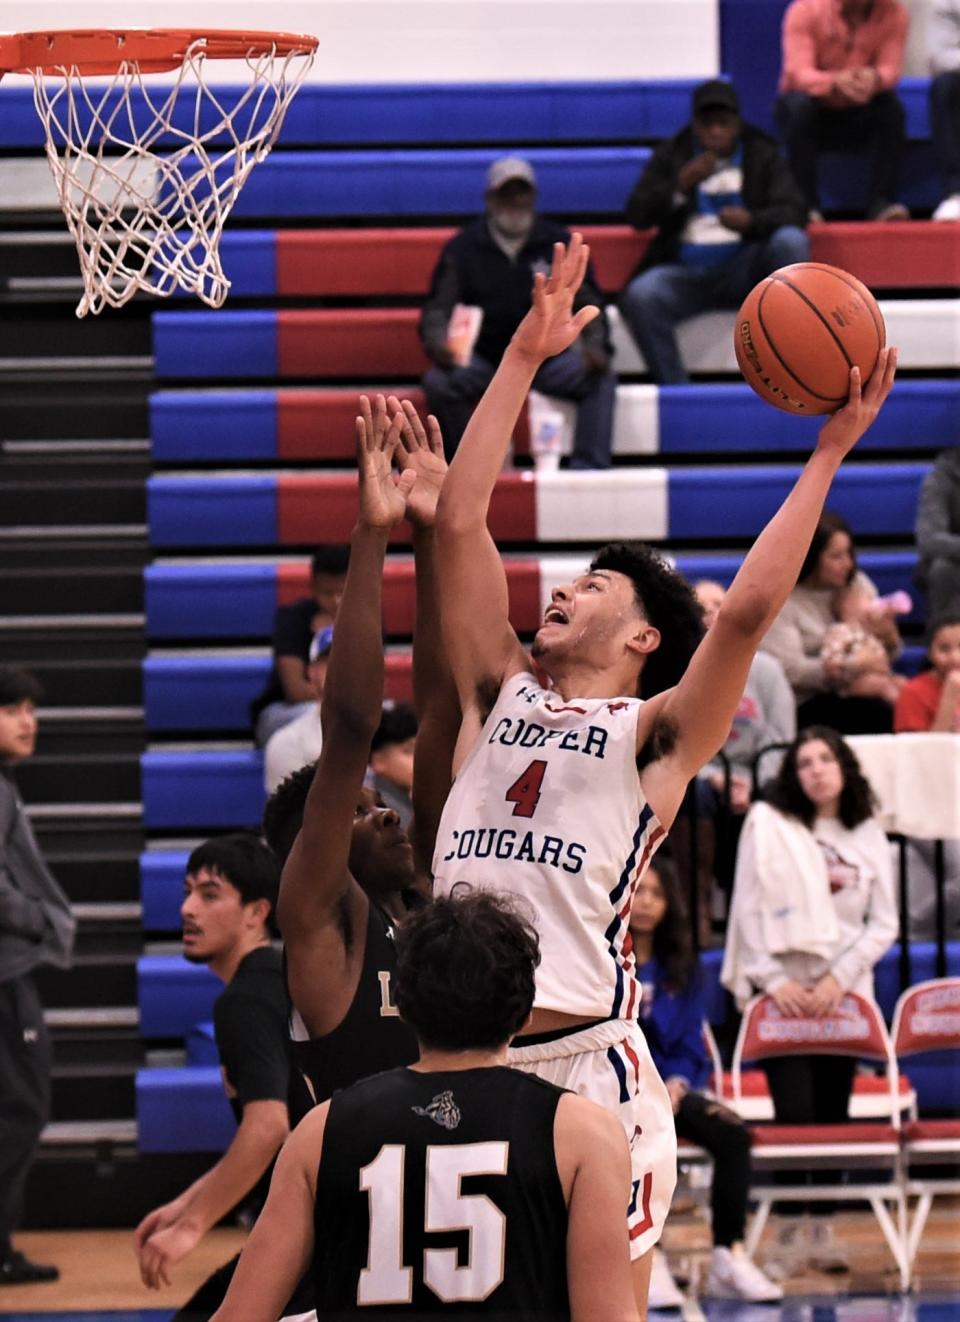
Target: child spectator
[(851, 650), (289, 693), (931, 701), (672, 1014)]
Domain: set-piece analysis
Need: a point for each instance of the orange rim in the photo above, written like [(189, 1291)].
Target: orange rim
[(154, 50)]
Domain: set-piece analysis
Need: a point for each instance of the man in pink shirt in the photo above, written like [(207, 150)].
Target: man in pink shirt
[(841, 62)]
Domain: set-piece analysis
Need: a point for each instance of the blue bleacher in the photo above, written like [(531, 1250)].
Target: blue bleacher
[(182, 1110), (207, 788), (173, 994)]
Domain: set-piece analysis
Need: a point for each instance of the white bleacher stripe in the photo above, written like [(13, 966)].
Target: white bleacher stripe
[(926, 331), (636, 420), (602, 505)]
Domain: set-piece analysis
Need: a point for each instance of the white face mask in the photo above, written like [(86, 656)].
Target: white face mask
[(512, 222)]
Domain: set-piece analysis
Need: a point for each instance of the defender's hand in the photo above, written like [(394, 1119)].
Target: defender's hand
[(383, 496), (551, 326), (420, 451)]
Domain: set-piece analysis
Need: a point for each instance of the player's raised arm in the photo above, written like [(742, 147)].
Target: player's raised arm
[(434, 691), (278, 1252), (316, 876), (695, 717), (477, 633)]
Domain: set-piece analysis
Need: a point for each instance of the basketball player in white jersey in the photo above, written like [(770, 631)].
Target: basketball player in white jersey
[(563, 793)]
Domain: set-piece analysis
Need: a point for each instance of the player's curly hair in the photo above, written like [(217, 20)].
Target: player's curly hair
[(283, 814), (465, 970), (667, 601), (857, 799)]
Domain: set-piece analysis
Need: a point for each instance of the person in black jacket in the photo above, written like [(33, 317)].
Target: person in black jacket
[(490, 265), (728, 213), (36, 927)]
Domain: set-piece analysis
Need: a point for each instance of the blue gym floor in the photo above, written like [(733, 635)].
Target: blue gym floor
[(940, 1307)]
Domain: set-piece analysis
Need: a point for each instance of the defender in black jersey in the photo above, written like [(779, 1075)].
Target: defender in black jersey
[(350, 873), (456, 1187)]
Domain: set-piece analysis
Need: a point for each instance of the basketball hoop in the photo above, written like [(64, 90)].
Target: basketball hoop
[(147, 175)]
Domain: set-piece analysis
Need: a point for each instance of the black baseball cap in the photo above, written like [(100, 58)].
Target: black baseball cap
[(716, 94)]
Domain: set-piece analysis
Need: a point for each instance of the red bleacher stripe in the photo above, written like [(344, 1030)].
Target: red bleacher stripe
[(907, 255), (349, 342), (318, 424), (322, 507), (398, 677), (357, 262), (851, 1132), (399, 593)]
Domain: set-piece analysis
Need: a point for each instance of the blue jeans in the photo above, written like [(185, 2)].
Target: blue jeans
[(945, 128), (452, 393), (664, 295)]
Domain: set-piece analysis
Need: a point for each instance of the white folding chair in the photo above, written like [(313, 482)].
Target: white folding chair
[(927, 1018), (856, 1028)]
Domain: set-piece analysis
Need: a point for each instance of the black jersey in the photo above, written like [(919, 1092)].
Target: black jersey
[(371, 1037), (438, 1195)]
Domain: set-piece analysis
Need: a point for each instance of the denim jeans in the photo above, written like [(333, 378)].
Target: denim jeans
[(453, 392), (945, 128), (664, 295)]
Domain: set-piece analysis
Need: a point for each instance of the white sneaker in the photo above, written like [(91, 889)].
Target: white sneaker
[(949, 208), (735, 1276), (825, 1254), (664, 1291)]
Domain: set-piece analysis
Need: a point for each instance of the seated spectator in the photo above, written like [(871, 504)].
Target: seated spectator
[(850, 647), (847, 692), (767, 715), (672, 1014), (298, 743), (938, 535), (728, 213), (944, 37), (841, 61), (391, 759), (289, 693), (813, 911), (490, 265), (931, 701)]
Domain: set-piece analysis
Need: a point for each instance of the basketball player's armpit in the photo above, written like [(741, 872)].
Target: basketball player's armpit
[(661, 743), (487, 693)]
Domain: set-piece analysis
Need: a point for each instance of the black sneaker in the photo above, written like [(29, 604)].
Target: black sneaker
[(15, 1269)]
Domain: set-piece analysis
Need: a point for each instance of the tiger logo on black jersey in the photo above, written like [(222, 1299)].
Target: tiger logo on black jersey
[(443, 1110)]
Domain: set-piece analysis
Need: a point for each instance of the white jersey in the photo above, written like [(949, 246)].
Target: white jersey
[(548, 806)]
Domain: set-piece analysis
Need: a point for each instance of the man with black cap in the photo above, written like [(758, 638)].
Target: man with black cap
[(490, 265), (728, 212)]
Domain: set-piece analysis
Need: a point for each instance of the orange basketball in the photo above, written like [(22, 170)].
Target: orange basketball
[(800, 331)]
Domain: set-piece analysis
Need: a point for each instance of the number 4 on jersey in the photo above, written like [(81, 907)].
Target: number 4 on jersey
[(524, 793)]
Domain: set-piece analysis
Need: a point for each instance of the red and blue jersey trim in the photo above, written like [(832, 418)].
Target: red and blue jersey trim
[(646, 838)]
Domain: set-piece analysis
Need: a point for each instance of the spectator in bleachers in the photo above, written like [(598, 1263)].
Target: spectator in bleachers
[(850, 693), (228, 919), (672, 1016), (938, 535), (841, 62), (728, 213), (767, 715), (36, 928), (813, 911), (944, 37), (490, 265), (391, 759), (299, 741), (931, 700), (289, 693)]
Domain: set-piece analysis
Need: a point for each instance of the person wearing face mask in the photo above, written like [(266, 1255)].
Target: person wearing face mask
[(727, 212), (490, 265)]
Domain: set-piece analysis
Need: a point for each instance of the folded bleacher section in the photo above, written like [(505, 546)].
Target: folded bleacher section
[(329, 252)]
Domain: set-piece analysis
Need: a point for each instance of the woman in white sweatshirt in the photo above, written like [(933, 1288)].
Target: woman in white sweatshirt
[(813, 911)]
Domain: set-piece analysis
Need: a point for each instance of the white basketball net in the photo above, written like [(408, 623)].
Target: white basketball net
[(145, 197)]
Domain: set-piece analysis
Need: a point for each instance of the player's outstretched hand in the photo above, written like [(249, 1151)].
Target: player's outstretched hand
[(844, 428), (551, 324), (420, 451), (383, 494)]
